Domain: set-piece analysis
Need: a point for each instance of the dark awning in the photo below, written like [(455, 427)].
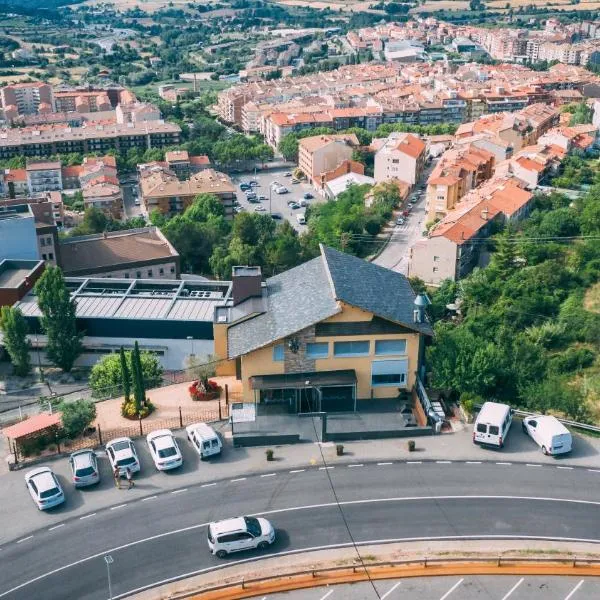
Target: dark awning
[(303, 380)]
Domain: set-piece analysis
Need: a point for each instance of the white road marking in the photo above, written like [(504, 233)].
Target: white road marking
[(87, 516), (530, 465), (238, 479), (179, 491), (513, 588), (414, 462), (474, 462), (298, 471), (269, 475), (566, 468), (24, 539), (452, 589), (119, 506), (390, 590), (504, 463), (382, 464), (572, 592), (327, 594), (443, 462), (357, 465), (56, 527), (325, 469), (208, 484), (325, 547), (149, 498)]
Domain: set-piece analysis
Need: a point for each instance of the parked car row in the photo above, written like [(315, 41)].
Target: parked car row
[(493, 424), (46, 491)]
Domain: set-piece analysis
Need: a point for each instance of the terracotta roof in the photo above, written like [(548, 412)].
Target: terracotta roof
[(467, 224), (530, 165), (32, 425), (200, 160), (16, 175), (43, 165), (174, 155), (79, 255), (73, 171), (411, 145), (315, 142)]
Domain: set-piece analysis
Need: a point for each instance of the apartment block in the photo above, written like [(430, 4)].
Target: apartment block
[(44, 176), (401, 156), (26, 99), (320, 154)]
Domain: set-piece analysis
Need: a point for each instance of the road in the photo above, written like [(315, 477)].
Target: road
[(162, 537), (456, 588), (129, 207)]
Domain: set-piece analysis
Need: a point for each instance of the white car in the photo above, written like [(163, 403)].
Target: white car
[(44, 488), (282, 190), (260, 208), (241, 533), (164, 449), (121, 453)]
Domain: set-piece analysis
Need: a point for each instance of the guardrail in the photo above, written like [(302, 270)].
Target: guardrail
[(385, 570), (575, 424)]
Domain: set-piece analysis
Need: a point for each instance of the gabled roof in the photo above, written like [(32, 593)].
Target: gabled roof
[(312, 292)]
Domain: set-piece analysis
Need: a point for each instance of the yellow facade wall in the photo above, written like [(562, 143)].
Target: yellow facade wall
[(259, 362), (224, 367)]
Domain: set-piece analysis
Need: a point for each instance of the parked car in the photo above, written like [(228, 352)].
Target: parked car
[(275, 184), (238, 209), (409, 206), (241, 533), (260, 208), (249, 192), (549, 434), (304, 202), (308, 196), (400, 221), (277, 216), (294, 205), (301, 219), (44, 488), (204, 438), (492, 424), (244, 186), (137, 202), (84, 468), (405, 213), (122, 453), (164, 449), (294, 180), (253, 183), (287, 174), (262, 198), (282, 190)]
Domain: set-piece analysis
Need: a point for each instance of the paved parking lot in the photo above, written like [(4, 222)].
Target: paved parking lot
[(504, 587), (279, 202)]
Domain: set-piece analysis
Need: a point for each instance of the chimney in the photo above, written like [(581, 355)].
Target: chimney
[(484, 214), (246, 283), (421, 302)]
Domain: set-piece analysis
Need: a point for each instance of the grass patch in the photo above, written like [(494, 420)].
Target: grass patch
[(591, 299)]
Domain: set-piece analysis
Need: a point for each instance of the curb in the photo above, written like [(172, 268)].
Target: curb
[(341, 575)]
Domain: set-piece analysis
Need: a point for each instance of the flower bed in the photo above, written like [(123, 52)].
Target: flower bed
[(204, 389)]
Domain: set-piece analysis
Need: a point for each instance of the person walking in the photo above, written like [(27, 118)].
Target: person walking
[(129, 476), (117, 477)]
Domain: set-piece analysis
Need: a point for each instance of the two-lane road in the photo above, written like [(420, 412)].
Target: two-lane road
[(163, 537)]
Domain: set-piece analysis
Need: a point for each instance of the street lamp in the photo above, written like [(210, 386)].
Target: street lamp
[(108, 559), (37, 345), (270, 192)]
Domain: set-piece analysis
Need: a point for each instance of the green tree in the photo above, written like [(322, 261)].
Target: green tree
[(58, 319), (503, 259), (76, 417), (139, 388), (125, 375), (14, 329), (288, 146)]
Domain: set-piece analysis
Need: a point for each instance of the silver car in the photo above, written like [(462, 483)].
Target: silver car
[(84, 468)]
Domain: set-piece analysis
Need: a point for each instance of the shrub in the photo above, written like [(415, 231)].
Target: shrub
[(76, 417), (204, 389), (468, 401), (573, 359), (269, 453), (339, 449), (128, 409)]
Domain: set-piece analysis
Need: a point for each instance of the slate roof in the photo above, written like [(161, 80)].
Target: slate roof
[(311, 292)]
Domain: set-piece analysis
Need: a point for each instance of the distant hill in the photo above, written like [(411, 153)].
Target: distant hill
[(27, 6)]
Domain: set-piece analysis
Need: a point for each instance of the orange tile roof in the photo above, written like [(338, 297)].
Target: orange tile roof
[(31, 425), (530, 165), (16, 175), (411, 145), (73, 171), (200, 160)]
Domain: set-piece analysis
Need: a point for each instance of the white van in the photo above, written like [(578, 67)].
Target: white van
[(301, 219), (204, 438), (549, 434), (492, 424)]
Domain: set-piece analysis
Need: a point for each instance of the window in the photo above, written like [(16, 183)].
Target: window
[(49, 241), (138, 274), (351, 348), (388, 373), (395, 161), (149, 272), (436, 258), (172, 269), (44, 257), (387, 347), (161, 271), (278, 353), (317, 350), (494, 430), (481, 428), (50, 255), (126, 275), (435, 269), (42, 241)]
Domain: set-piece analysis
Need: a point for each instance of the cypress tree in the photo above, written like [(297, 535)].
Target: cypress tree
[(125, 375), (139, 391)]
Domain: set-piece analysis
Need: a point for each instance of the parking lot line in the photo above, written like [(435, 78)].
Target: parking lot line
[(390, 590), (452, 589), (572, 592), (327, 595), (513, 588)]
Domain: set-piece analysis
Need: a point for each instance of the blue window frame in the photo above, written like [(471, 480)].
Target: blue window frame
[(390, 347), (278, 353), (317, 349), (389, 373), (356, 348)]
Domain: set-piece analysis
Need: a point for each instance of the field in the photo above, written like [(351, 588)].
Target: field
[(149, 6)]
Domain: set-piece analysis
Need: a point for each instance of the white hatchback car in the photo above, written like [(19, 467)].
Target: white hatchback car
[(44, 488), (164, 449), (241, 533), (84, 468), (121, 453)]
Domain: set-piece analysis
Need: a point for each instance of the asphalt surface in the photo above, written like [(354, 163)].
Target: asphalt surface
[(505, 587), (162, 537)]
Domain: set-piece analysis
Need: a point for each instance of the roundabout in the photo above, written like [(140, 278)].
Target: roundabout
[(159, 539)]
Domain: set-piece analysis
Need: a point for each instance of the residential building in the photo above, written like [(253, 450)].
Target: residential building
[(18, 238), (178, 161), (44, 176), (322, 153), (130, 254), (105, 196), (334, 187), (324, 336), (402, 156), (26, 99), (161, 190)]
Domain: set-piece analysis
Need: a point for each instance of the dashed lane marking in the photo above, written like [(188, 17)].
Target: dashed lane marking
[(474, 462), (530, 465), (414, 462), (118, 506), (383, 464), (298, 471), (443, 462), (356, 465), (149, 498), (208, 485), (269, 475), (87, 516), (504, 463), (56, 527), (325, 468), (565, 468), (238, 479), (179, 491), (24, 539)]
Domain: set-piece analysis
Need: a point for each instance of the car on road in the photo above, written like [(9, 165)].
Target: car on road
[(238, 534), (549, 434), (44, 488), (262, 198), (84, 468), (260, 208), (122, 454), (205, 440), (294, 205), (308, 196), (164, 449), (400, 221)]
